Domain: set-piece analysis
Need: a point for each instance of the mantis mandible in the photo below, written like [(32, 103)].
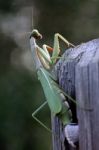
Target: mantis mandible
[(54, 95)]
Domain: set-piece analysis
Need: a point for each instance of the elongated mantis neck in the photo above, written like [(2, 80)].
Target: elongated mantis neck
[(34, 53)]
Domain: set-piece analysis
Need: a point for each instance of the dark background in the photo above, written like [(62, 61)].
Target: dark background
[(20, 91)]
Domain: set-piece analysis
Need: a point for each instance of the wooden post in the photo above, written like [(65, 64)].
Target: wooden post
[(87, 95), (78, 75)]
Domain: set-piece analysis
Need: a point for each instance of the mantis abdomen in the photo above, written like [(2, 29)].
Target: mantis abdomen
[(54, 96)]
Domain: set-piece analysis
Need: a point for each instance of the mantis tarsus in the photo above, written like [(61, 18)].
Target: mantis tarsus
[(54, 95)]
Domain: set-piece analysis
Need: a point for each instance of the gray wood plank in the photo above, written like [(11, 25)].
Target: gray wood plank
[(87, 94), (65, 72), (78, 75)]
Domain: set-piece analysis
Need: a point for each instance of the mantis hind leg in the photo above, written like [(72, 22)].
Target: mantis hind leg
[(56, 48), (40, 122)]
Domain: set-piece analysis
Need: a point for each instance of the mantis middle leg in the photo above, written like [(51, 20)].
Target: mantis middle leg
[(56, 48)]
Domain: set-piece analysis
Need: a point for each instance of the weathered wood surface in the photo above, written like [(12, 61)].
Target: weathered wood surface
[(87, 94), (58, 136), (78, 75)]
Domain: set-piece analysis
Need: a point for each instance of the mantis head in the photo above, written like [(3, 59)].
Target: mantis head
[(35, 33)]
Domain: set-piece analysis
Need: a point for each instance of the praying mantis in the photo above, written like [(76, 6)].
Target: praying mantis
[(55, 97)]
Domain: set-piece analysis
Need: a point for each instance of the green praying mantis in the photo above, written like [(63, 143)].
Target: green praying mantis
[(54, 95)]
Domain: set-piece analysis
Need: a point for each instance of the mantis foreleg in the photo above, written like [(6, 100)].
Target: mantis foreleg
[(43, 53)]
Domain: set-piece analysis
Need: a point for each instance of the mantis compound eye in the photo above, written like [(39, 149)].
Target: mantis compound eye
[(35, 33)]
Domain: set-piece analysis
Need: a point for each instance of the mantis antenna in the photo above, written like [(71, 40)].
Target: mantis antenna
[(32, 19)]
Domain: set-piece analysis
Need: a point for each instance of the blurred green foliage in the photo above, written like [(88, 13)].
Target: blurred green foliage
[(6, 6), (20, 95), (20, 91)]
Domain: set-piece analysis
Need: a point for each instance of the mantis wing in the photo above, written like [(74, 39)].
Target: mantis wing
[(51, 91)]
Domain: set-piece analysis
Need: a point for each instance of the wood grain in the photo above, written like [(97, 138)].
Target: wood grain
[(77, 73)]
